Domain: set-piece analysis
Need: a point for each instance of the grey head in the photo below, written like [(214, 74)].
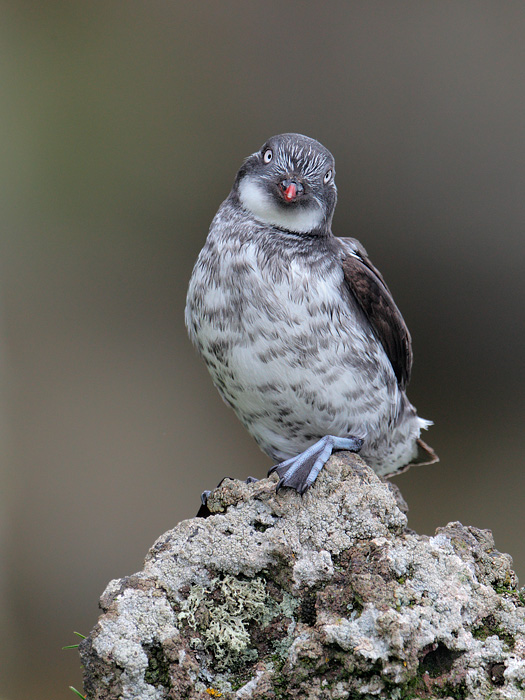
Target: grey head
[(289, 184)]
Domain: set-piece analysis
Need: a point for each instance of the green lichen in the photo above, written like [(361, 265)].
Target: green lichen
[(222, 613), (282, 647), (288, 605)]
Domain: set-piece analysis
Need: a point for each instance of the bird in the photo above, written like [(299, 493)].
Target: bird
[(298, 329)]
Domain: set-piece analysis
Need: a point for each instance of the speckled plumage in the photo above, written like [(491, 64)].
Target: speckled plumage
[(286, 338)]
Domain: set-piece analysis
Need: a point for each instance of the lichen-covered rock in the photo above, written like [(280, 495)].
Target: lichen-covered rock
[(324, 596)]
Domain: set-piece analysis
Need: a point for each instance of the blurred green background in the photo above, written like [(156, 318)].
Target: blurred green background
[(122, 127)]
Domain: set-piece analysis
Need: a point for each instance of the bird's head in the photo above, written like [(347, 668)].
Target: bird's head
[(289, 183)]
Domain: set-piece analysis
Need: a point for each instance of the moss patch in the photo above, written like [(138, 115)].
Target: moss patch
[(157, 673), (489, 627)]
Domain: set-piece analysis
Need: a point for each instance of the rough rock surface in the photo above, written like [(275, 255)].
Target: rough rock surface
[(324, 596)]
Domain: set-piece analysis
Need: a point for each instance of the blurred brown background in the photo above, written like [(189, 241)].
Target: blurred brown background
[(122, 127)]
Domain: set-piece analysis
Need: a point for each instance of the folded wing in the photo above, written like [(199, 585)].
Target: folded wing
[(373, 296)]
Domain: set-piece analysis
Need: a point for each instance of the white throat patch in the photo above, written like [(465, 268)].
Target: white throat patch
[(254, 198)]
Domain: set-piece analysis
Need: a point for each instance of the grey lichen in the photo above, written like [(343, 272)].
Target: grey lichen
[(325, 596), (222, 613)]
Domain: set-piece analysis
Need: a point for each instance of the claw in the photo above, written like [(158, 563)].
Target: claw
[(204, 511), (300, 472)]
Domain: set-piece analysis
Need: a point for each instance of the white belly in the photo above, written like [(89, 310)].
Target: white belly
[(295, 364)]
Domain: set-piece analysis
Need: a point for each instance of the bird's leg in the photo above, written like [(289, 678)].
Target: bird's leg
[(204, 511), (300, 472)]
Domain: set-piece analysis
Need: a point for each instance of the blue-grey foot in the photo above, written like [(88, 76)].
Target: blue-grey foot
[(204, 511), (300, 472)]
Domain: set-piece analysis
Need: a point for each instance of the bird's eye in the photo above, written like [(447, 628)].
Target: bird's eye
[(327, 177), (268, 155)]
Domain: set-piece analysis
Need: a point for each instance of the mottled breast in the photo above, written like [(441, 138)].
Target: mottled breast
[(285, 343)]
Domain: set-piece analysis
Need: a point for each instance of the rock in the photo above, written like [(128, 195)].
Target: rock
[(324, 596)]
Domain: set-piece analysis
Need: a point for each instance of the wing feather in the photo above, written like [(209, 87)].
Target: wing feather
[(368, 287)]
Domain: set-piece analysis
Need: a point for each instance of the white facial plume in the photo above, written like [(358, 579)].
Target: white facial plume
[(263, 206)]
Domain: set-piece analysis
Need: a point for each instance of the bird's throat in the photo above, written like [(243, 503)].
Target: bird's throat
[(262, 205)]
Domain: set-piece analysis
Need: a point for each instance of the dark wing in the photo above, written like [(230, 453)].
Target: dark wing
[(373, 296)]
